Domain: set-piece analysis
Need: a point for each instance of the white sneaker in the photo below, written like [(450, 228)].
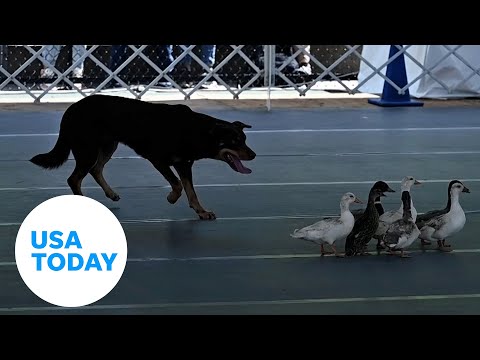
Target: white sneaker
[(77, 73), (45, 86), (47, 73), (305, 69)]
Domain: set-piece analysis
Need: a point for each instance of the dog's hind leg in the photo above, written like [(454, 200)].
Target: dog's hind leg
[(104, 155), (168, 174), (85, 159), (185, 171)]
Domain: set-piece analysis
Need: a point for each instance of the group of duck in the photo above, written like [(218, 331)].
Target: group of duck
[(395, 230)]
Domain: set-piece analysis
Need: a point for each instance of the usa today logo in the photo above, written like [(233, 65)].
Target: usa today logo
[(71, 251)]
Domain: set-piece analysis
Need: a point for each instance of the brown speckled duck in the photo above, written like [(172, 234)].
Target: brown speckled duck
[(366, 225)]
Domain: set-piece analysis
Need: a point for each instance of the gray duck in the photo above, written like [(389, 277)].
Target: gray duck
[(391, 216), (401, 233)]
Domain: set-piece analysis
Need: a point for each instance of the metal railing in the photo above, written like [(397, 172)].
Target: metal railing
[(236, 69)]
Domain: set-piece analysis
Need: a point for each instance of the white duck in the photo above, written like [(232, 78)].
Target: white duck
[(403, 232), (328, 231), (441, 226), (430, 214), (389, 217)]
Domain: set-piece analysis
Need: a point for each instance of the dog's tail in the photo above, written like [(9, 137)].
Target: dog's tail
[(55, 157)]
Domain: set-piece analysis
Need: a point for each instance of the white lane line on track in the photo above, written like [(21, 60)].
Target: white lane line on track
[(257, 257), (245, 303), (265, 184)]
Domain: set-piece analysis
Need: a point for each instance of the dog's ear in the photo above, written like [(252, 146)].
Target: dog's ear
[(241, 125)]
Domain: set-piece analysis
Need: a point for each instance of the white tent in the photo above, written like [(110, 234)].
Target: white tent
[(459, 79)]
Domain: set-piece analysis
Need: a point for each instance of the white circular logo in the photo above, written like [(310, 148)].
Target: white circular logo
[(71, 251)]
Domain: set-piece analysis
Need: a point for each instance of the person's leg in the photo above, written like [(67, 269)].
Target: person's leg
[(50, 54), (208, 55), (258, 55), (303, 59), (118, 54), (77, 52), (187, 61), (163, 58)]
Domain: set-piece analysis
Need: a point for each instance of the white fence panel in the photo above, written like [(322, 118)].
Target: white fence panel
[(433, 71)]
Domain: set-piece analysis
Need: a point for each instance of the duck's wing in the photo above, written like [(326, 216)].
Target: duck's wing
[(435, 222), (390, 216), (430, 214), (401, 234), (394, 232), (354, 240), (425, 217), (386, 220), (316, 230), (361, 232)]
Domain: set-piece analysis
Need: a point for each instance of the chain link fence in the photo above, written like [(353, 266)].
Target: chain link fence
[(39, 70)]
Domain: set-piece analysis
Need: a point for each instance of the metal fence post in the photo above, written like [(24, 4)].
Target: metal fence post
[(1, 59), (269, 66)]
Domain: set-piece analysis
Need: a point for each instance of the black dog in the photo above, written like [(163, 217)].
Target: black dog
[(166, 135)]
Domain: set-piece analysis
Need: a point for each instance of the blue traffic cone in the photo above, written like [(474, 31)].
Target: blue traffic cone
[(397, 73)]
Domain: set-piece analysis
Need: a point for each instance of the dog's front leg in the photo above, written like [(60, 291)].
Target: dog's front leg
[(168, 174), (184, 170)]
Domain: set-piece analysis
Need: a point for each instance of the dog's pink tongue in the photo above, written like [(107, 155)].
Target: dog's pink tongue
[(239, 166)]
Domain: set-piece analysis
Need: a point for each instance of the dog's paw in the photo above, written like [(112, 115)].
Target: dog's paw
[(172, 197), (113, 196), (207, 215)]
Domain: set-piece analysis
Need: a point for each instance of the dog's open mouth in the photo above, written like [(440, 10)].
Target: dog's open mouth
[(236, 164)]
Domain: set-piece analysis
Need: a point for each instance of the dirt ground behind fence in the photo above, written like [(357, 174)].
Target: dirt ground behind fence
[(260, 104)]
